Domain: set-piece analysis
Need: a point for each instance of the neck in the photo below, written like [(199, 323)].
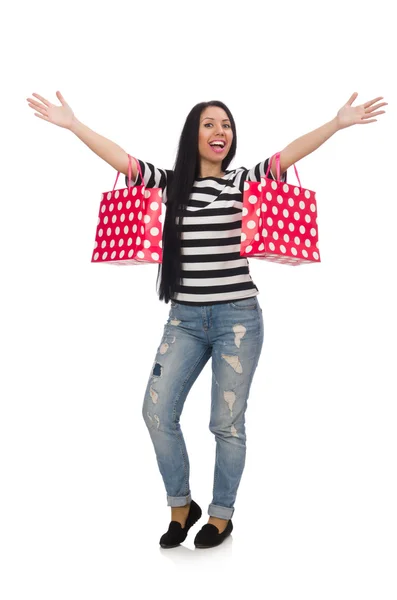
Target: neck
[(210, 169)]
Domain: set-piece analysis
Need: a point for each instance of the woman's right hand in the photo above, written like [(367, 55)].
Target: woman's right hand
[(62, 116)]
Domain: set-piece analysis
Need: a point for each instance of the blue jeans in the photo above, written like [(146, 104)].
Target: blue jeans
[(232, 333)]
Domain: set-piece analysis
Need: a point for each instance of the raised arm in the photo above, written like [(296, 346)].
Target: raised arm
[(64, 117), (347, 116), (110, 152)]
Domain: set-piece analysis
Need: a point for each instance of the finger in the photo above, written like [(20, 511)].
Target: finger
[(365, 122), (378, 106), (381, 112), (40, 117), (367, 104), (44, 101), (40, 108), (352, 98), (35, 104)]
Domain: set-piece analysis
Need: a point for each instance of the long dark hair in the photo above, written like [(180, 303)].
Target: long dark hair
[(179, 187)]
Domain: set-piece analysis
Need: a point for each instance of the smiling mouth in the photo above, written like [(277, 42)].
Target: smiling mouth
[(217, 148)]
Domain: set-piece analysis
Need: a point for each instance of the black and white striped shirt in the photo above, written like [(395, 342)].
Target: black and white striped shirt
[(213, 272)]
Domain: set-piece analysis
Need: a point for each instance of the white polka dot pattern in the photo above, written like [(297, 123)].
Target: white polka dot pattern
[(129, 228), (294, 210)]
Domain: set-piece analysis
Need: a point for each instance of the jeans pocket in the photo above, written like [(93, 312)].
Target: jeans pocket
[(245, 303)]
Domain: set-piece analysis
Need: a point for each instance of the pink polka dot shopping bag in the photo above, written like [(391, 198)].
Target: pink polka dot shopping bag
[(129, 230), (279, 221)]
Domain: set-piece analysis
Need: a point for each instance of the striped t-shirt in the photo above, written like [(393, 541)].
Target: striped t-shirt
[(213, 272)]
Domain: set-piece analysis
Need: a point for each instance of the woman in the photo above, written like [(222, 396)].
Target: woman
[(214, 307)]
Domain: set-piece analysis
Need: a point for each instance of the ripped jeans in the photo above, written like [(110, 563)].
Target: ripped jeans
[(232, 333)]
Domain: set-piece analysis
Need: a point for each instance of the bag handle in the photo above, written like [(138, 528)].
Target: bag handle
[(277, 155), (129, 172)]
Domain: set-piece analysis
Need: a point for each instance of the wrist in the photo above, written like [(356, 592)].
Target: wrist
[(336, 124), (74, 124)]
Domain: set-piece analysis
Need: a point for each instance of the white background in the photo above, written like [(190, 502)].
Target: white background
[(83, 504)]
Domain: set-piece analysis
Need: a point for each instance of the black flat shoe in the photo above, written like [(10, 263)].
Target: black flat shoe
[(176, 534), (209, 535)]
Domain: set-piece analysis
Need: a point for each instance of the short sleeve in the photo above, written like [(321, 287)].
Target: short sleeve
[(257, 172), (152, 178)]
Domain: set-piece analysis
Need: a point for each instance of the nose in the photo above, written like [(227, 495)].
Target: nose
[(220, 130)]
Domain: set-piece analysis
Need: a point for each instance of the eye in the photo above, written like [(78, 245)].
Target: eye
[(225, 125)]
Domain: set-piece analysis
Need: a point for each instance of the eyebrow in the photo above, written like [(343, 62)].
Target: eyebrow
[(212, 119)]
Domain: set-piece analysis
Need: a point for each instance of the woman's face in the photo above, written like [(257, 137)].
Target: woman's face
[(214, 126)]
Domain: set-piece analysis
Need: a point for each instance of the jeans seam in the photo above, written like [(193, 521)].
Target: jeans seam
[(174, 415), (258, 353)]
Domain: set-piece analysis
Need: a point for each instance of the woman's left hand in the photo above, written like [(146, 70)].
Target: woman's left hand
[(353, 115)]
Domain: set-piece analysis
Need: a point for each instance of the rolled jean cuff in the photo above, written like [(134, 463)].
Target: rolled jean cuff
[(178, 500), (221, 512)]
